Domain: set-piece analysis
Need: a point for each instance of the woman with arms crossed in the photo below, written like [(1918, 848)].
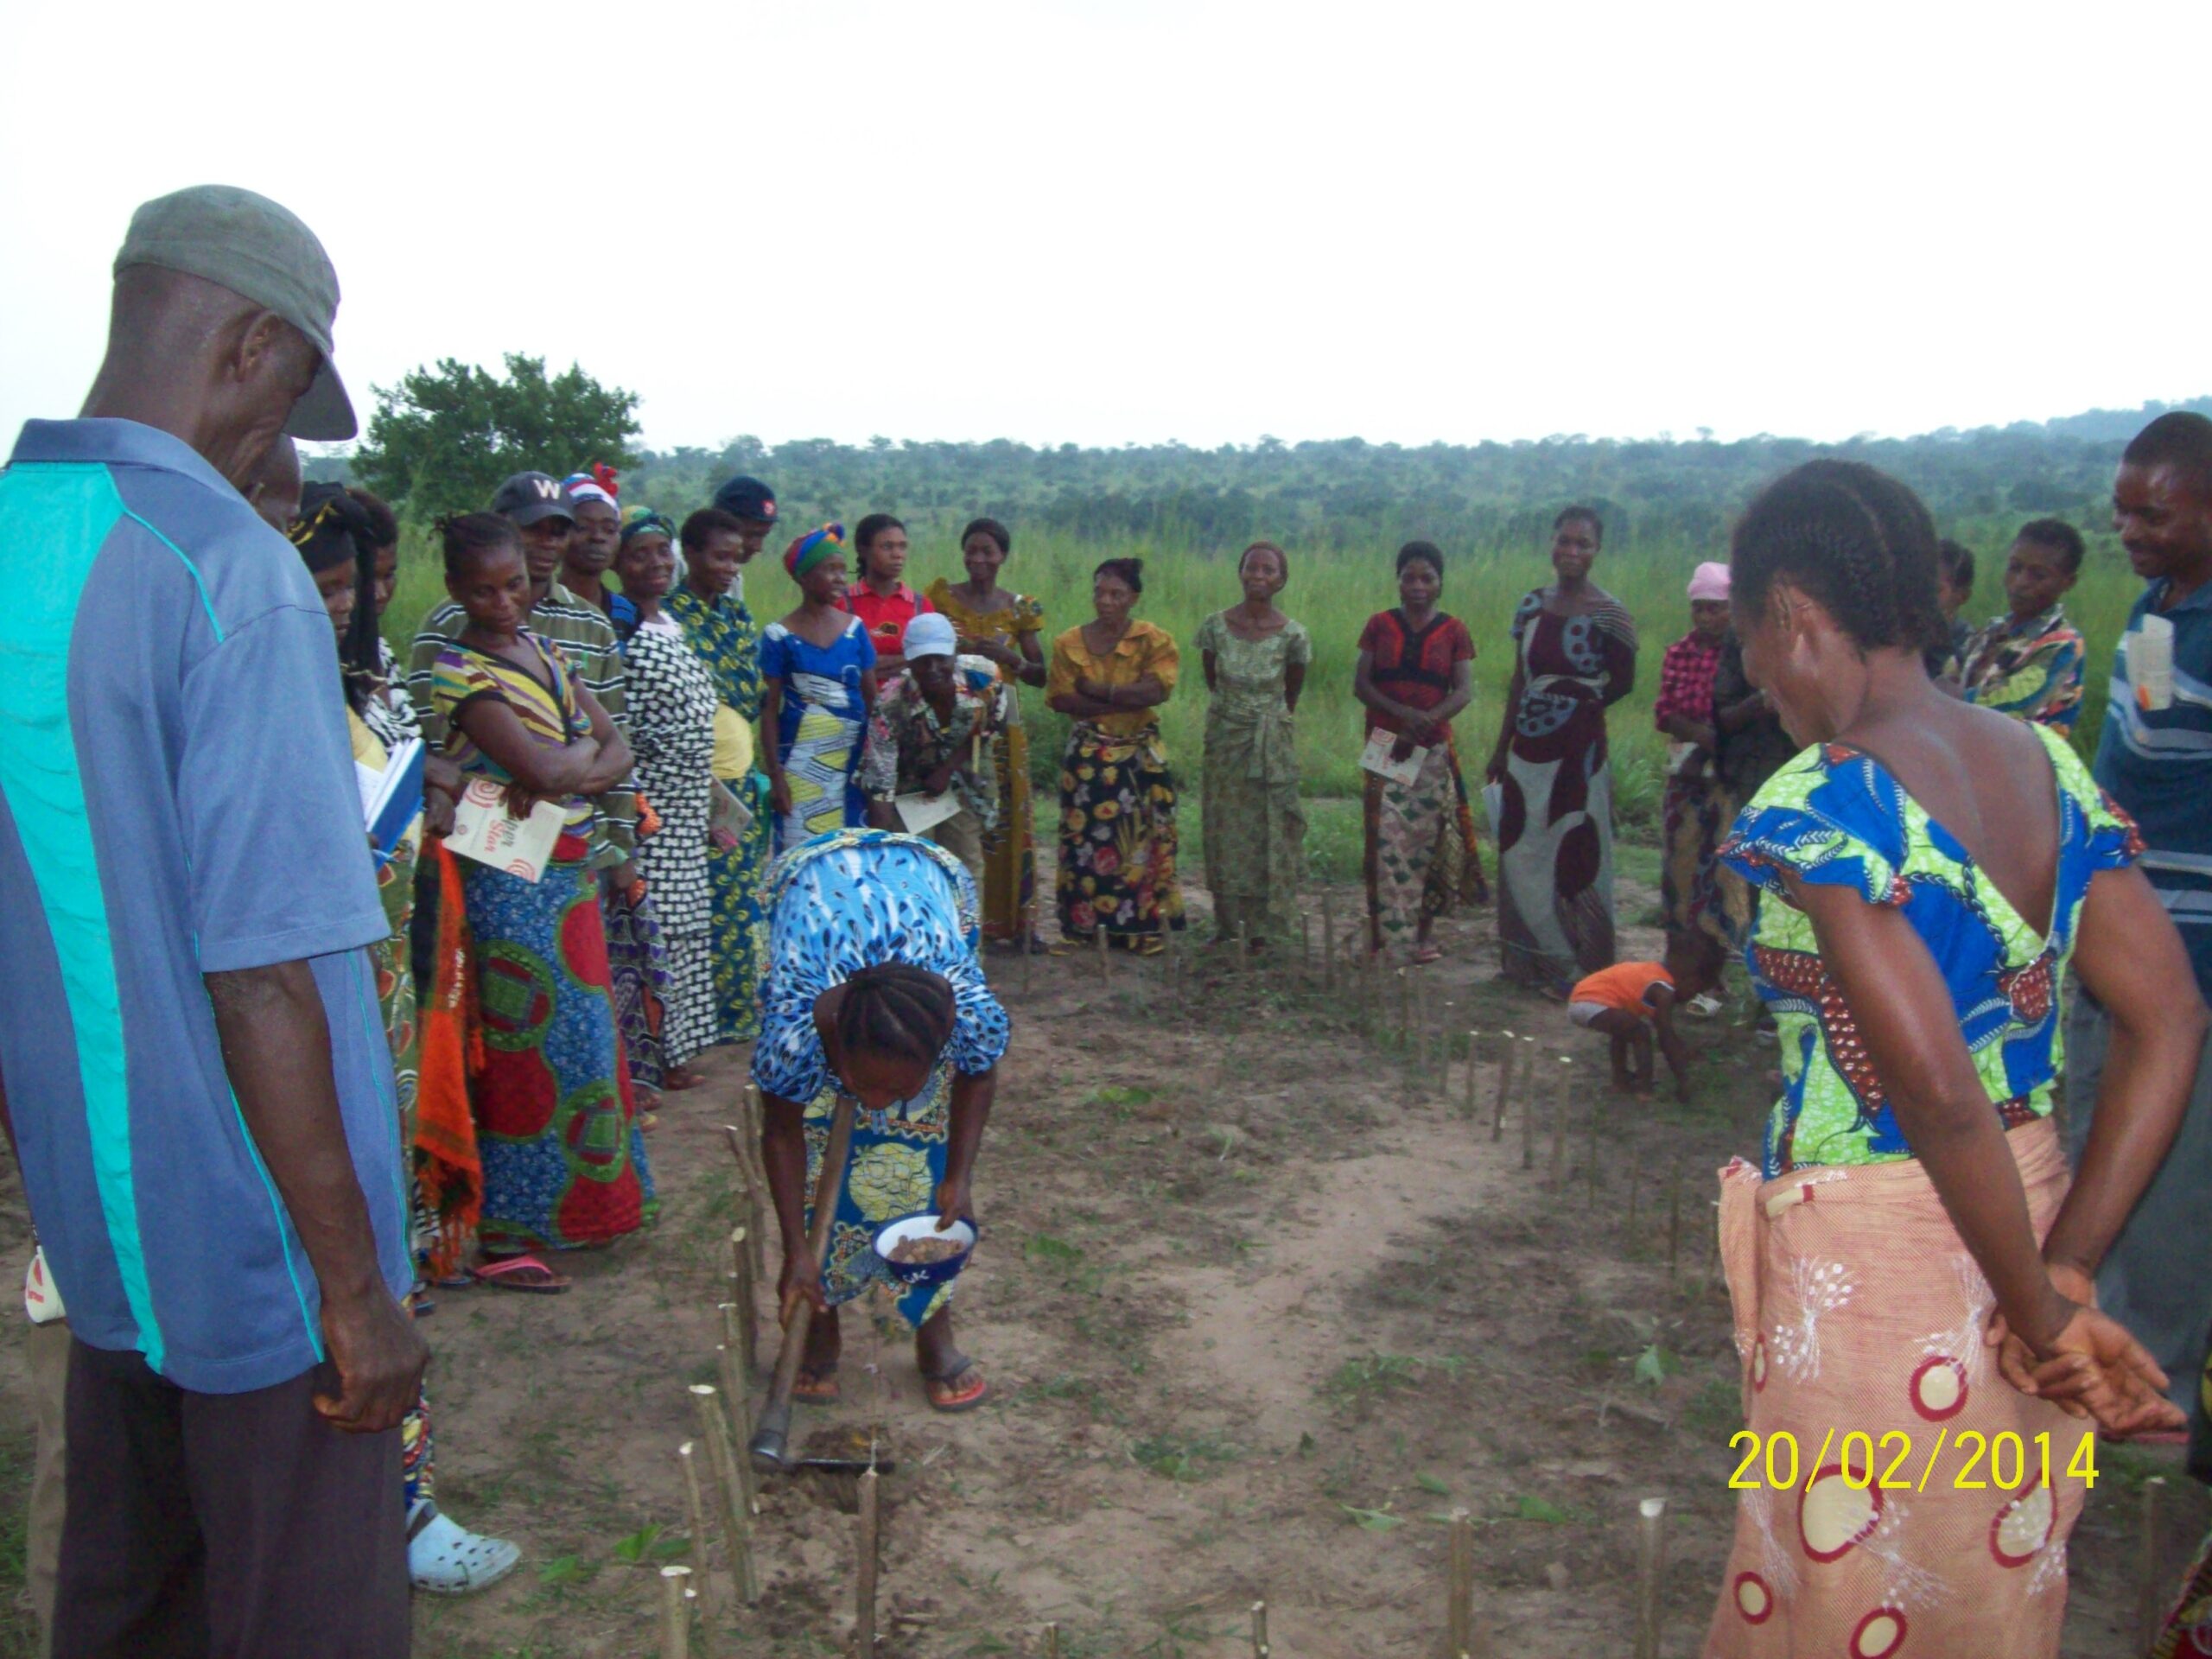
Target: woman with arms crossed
[(565, 1165), (1931, 867)]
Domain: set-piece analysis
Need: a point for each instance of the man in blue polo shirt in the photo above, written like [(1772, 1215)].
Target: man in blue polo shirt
[(2154, 758), (191, 1060)]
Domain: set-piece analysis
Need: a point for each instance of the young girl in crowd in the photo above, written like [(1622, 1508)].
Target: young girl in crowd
[(818, 672), (882, 600)]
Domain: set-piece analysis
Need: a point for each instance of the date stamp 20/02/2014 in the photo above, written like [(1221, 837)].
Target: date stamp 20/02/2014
[(1894, 1462)]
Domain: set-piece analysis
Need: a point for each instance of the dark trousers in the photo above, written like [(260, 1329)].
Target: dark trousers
[(224, 1526)]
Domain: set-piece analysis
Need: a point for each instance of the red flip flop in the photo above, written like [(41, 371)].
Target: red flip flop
[(958, 1397), (526, 1274)]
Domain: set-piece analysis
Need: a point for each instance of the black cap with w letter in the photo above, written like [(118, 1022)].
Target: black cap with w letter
[(531, 498)]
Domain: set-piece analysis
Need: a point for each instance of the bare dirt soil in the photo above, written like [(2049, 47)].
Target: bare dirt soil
[(1260, 1305)]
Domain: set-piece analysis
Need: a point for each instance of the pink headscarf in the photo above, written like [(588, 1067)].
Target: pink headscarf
[(1709, 580)]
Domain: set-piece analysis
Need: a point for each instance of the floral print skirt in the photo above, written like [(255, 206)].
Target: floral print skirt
[(1882, 1517), (1117, 838), (897, 1161)]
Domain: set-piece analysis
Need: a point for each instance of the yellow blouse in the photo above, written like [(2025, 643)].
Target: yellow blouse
[(1024, 615), (1146, 649)]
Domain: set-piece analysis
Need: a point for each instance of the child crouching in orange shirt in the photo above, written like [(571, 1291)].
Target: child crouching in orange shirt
[(1632, 1002)]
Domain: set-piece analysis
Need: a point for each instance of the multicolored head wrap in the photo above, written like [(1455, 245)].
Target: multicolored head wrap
[(597, 484), (810, 550), (643, 521)]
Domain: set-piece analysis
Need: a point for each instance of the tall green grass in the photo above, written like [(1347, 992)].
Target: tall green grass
[(1333, 594)]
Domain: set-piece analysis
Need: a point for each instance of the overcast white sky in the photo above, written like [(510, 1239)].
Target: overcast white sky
[(1131, 222)]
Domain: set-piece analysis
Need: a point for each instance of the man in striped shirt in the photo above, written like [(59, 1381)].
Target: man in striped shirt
[(2154, 758), (541, 511)]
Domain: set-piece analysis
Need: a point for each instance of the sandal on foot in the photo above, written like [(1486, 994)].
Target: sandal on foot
[(677, 1081), (445, 1559), (523, 1273), (963, 1389), (817, 1385), (1423, 954)]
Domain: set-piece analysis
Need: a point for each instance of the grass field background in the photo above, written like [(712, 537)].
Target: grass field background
[(1334, 593)]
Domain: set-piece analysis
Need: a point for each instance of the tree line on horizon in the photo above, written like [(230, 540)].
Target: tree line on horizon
[(441, 440)]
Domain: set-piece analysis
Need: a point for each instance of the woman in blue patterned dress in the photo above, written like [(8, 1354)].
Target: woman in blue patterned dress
[(1929, 869), (708, 605), (819, 669), (875, 990)]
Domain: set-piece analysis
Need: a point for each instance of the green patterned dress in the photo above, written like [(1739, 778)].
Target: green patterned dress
[(1253, 827), (721, 631)]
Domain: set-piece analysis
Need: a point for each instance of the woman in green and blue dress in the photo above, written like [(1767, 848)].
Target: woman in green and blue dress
[(1929, 871), (709, 608)]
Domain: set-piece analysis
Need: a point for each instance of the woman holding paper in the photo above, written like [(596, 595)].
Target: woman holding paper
[(565, 1165), (1576, 648), (1416, 672), (337, 539), (1255, 831), (1118, 797)]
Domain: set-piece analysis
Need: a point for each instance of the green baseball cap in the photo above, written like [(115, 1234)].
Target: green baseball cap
[(260, 252)]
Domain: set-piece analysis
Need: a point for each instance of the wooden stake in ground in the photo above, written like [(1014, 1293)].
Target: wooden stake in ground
[(1590, 1168), (695, 1507), (1504, 1080), (1673, 1217), (1025, 942), (1052, 1642), (1260, 1648), (1650, 1568), (2150, 1587), (1460, 1591), (736, 1393), (740, 1327), (1328, 941), (675, 1613), (1471, 1109), (730, 1509), (1559, 1108), (871, 1556), (1105, 971)]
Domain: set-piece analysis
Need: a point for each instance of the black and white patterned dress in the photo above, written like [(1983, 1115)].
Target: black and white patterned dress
[(672, 703), (389, 712)]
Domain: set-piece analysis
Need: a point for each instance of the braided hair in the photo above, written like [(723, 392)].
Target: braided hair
[(897, 1011), (466, 535), (334, 528), (1853, 538)]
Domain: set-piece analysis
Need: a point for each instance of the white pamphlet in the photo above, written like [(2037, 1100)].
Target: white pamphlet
[(484, 830), (2151, 663), (1377, 758), (922, 813)]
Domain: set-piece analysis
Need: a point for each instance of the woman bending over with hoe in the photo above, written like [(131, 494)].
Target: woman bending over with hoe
[(876, 997)]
